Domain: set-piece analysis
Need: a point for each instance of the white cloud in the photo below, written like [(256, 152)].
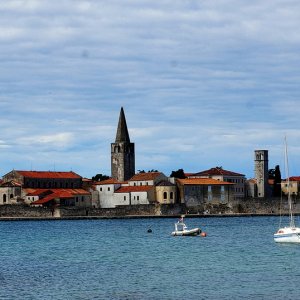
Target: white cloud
[(199, 79)]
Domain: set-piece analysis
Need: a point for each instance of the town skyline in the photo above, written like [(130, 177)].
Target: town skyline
[(202, 84)]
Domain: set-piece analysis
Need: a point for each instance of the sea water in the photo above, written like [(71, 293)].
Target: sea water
[(119, 259)]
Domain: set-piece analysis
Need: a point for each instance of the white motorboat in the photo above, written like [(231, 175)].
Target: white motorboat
[(291, 233), (182, 230)]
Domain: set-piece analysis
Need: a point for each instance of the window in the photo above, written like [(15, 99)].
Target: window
[(124, 198), (171, 195), (165, 195), (4, 198), (101, 189), (108, 188), (137, 197), (11, 196)]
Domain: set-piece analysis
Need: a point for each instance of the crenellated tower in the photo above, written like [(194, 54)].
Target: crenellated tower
[(122, 152)]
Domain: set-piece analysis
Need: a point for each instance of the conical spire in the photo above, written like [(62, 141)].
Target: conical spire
[(122, 131)]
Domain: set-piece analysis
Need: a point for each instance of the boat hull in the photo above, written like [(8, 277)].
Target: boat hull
[(190, 232), (287, 235)]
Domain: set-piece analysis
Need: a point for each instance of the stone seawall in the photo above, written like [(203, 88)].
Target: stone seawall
[(244, 206), (24, 211)]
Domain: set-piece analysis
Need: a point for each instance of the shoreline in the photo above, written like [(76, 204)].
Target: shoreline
[(237, 215)]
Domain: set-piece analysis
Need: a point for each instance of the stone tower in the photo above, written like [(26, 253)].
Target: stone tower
[(122, 152), (261, 172)]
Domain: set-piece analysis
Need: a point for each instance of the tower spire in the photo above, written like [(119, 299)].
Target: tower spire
[(122, 152), (122, 131)]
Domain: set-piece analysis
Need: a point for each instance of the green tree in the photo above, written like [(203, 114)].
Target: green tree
[(99, 177), (178, 174), (277, 182)]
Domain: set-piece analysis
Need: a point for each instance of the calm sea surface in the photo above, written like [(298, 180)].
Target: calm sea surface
[(118, 259)]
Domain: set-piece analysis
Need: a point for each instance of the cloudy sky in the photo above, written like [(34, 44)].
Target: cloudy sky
[(203, 83)]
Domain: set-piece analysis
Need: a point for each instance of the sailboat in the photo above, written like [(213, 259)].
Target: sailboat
[(291, 233)]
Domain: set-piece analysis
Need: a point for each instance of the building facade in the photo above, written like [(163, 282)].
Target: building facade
[(218, 173)]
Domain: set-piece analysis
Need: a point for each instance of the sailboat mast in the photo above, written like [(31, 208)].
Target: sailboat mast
[(292, 221)]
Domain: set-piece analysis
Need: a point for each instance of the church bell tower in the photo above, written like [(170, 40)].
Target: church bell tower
[(122, 152), (261, 172)]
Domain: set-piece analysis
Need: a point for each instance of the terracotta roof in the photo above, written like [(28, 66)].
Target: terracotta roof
[(10, 183), (107, 181), (295, 178), (217, 171), (57, 193), (145, 176), (37, 192), (130, 189), (202, 181), (48, 174)]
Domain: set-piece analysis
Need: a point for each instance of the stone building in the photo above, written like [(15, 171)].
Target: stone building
[(166, 192), (221, 174), (294, 186), (44, 188), (122, 152), (44, 179), (200, 191), (10, 192)]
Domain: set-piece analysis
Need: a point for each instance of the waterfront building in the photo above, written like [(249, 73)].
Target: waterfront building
[(166, 192), (61, 197), (294, 186), (147, 178), (10, 192), (45, 179), (106, 190), (122, 152), (135, 195), (200, 191), (45, 188), (218, 173)]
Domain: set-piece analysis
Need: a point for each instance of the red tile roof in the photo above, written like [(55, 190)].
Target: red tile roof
[(10, 183), (217, 171), (107, 181), (49, 174), (130, 189), (202, 181), (295, 178), (145, 176), (57, 193)]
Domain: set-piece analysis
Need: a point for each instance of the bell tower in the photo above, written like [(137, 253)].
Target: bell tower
[(261, 162), (122, 152)]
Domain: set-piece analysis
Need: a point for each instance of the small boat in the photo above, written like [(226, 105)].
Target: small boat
[(291, 233), (182, 230)]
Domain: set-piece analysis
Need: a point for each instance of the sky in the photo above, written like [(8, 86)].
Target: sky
[(202, 83)]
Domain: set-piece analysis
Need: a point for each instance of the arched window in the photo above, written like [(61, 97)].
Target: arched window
[(11, 196), (165, 195), (171, 195), (4, 198)]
